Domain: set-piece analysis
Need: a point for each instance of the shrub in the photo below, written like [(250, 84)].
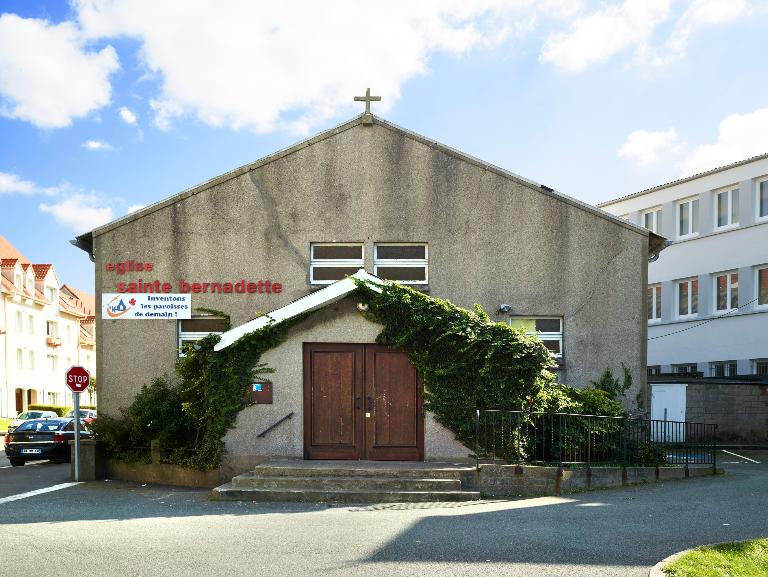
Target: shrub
[(60, 410)]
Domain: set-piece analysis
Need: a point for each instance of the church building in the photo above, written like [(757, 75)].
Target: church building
[(281, 235)]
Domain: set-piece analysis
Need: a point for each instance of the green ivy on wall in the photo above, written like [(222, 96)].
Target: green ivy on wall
[(466, 361)]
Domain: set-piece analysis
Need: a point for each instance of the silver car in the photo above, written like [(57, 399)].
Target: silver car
[(27, 415)]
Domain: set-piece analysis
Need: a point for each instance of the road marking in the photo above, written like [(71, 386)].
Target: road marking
[(28, 464), (4, 500), (740, 456)]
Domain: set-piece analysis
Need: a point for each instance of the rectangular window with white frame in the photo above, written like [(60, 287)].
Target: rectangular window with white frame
[(761, 280), (652, 220), (760, 367), (19, 322), (654, 370), (196, 328), (687, 297), (330, 262), (688, 217), (406, 263), (19, 359), (727, 208), (31, 360), (654, 302), (53, 363), (762, 199), (31, 324), (726, 288), (722, 369), (548, 329), (685, 369)]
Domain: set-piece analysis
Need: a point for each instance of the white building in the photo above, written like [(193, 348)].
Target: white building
[(708, 291), (44, 329)]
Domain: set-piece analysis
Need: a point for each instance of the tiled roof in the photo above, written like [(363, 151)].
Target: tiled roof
[(25, 266), (7, 250), (9, 262), (41, 270), (84, 302)]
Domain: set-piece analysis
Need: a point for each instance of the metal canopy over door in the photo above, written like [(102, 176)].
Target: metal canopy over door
[(361, 402)]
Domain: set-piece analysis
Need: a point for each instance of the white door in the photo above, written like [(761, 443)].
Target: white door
[(668, 404)]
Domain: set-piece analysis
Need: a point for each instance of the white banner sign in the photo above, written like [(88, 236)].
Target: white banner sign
[(146, 306)]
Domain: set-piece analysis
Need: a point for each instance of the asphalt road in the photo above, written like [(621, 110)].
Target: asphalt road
[(106, 529)]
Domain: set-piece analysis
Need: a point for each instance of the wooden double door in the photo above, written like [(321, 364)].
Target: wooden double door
[(361, 402)]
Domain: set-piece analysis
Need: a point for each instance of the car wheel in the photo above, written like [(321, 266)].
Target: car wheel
[(17, 462)]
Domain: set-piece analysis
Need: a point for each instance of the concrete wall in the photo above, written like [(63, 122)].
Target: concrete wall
[(740, 411), (534, 481), (492, 239)]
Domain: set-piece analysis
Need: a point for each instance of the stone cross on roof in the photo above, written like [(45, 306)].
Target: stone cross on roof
[(367, 117)]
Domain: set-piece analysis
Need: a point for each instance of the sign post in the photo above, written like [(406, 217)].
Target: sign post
[(77, 379)]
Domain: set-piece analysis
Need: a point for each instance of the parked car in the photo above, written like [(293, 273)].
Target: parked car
[(42, 439), (27, 415), (87, 415)]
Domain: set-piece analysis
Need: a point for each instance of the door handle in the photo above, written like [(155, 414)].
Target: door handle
[(357, 403)]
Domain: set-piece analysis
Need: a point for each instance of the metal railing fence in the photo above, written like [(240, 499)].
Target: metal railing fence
[(571, 439)]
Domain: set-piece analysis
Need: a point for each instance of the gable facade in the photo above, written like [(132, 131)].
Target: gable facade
[(520, 250)]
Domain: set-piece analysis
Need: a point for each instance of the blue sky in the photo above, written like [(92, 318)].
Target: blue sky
[(110, 105)]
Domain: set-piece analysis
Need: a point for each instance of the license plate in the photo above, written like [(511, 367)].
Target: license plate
[(31, 451)]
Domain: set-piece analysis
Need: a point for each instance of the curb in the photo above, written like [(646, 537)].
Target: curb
[(656, 570)]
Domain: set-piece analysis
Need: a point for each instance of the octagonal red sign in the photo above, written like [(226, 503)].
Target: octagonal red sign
[(78, 379)]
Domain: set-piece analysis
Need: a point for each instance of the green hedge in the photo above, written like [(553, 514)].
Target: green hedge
[(60, 410)]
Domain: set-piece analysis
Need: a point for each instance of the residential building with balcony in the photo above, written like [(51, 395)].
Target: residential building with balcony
[(45, 328)]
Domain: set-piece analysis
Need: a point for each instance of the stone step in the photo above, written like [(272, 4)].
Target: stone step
[(252, 480), (229, 492), (270, 470)]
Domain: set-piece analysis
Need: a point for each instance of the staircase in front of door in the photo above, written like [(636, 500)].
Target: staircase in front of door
[(349, 482)]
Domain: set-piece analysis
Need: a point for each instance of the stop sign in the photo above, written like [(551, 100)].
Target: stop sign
[(78, 379)]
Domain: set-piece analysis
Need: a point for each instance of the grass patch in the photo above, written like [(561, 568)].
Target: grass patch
[(4, 424), (744, 559)]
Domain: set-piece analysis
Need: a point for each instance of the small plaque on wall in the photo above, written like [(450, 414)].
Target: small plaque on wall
[(261, 393)]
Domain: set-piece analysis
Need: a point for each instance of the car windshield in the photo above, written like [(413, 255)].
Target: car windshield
[(30, 415), (44, 426)]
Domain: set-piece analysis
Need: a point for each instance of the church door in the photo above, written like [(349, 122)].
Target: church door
[(361, 402)]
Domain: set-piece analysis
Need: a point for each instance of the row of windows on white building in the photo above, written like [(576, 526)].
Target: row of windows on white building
[(726, 211), (725, 290), (25, 360)]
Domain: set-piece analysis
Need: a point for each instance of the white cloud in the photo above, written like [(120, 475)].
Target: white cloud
[(604, 33), (80, 212), (135, 207), (47, 76), (12, 184), (96, 145), (631, 26), (700, 13), (267, 65), (127, 115), (646, 148), (740, 136)]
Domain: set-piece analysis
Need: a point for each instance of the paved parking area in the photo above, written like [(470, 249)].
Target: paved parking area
[(132, 530)]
